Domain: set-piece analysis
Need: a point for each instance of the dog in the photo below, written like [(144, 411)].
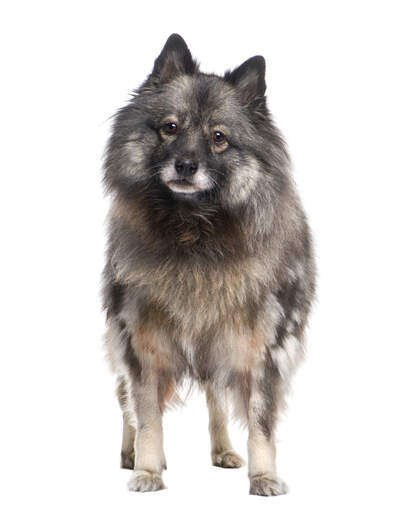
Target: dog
[(210, 272)]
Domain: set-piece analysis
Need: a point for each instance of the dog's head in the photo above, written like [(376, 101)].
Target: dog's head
[(191, 136)]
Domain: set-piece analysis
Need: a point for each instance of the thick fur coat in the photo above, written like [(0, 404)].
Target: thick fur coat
[(210, 272)]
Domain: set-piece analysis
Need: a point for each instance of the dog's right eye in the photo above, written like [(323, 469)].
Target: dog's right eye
[(169, 128)]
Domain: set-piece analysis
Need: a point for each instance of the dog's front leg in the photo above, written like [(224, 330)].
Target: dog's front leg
[(222, 453), (149, 455), (261, 440)]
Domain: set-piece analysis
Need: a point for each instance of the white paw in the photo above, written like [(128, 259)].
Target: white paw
[(227, 459), (267, 485), (145, 481)]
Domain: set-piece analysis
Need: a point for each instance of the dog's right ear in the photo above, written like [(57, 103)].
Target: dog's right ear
[(249, 79), (175, 59)]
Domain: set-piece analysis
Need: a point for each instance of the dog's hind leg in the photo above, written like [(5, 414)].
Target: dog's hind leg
[(222, 453), (128, 437)]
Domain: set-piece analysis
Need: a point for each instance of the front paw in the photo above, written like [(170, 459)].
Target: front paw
[(227, 459), (267, 485), (145, 481)]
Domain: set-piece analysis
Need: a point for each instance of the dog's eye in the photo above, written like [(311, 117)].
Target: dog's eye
[(219, 138), (169, 128)]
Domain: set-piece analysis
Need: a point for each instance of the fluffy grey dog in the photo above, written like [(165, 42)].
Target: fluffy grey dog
[(210, 272)]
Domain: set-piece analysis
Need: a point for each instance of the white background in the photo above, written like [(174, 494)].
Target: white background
[(340, 87)]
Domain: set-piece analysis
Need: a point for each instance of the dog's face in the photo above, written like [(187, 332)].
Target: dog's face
[(196, 137)]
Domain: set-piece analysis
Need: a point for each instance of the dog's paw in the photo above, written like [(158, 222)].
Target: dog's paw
[(267, 485), (127, 460), (227, 459), (145, 481)]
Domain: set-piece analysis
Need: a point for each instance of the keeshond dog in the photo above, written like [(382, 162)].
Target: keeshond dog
[(210, 273)]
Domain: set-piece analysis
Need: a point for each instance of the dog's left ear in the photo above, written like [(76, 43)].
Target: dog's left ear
[(249, 79), (174, 60)]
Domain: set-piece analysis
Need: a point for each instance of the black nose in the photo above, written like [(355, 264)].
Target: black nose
[(186, 166)]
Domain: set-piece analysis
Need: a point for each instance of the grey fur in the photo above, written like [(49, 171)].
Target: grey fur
[(216, 284)]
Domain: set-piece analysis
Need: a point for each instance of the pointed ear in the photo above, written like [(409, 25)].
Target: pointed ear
[(249, 79), (175, 59)]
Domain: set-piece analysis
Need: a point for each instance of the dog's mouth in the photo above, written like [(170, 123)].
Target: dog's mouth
[(182, 186)]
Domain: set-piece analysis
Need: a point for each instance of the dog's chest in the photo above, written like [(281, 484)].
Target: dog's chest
[(211, 319), (199, 298)]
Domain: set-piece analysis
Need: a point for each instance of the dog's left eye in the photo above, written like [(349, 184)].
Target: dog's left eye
[(169, 128), (219, 138)]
